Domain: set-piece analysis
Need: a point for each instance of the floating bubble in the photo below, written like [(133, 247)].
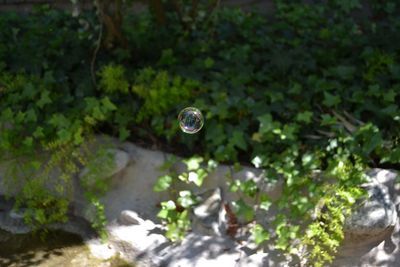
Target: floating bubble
[(190, 120)]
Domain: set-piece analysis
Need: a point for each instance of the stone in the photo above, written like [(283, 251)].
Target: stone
[(208, 216), (210, 205), (100, 249), (133, 190), (17, 215), (120, 161), (388, 178), (13, 222), (128, 217), (145, 246), (373, 215)]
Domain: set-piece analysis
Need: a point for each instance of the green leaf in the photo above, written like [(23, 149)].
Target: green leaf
[(389, 96), (197, 177), (44, 99), (345, 72), (163, 214), (372, 143), (208, 63), (238, 140), (328, 120), (331, 100), (211, 165), (123, 133), (266, 123), (168, 205), (259, 234), (28, 141), (249, 188), (257, 161), (265, 205), (38, 133), (163, 183), (304, 117), (186, 199), (107, 104), (193, 163), (242, 209), (78, 136), (31, 115)]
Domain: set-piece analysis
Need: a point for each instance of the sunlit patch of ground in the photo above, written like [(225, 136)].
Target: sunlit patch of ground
[(59, 249)]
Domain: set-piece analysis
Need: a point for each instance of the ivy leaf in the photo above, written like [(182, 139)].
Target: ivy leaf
[(372, 143), (389, 96), (265, 205), (64, 135), (31, 115), (108, 105), (208, 63), (328, 120), (197, 177), (259, 234), (257, 161), (123, 133), (331, 100), (78, 137), (288, 132), (345, 72), (266, 123), (28, 141), (29, 90), (242, 209), (304, 117), (59, 121), (234, 186), (193, 163), (238, 140), (186, 199), (249, 188), (44, 99), (211, 165), (163, 183), (38, 133)]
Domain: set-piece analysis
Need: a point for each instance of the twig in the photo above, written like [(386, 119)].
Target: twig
[(350, 127), (178, 11), (92, 64), (193, 11), (211, 8), (352, 118)]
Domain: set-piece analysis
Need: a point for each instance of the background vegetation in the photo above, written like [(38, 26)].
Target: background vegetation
[(315, 89)]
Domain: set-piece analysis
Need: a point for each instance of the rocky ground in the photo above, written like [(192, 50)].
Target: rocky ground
[(372, 233)]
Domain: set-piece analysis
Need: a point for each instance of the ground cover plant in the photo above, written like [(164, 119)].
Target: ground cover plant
[(313, 89)]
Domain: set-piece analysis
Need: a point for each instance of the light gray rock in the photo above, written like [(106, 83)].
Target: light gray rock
[(210, 205), (373, 215), (380, 246), (208, 216), (133, 189), (13, 222), (388, 178), (144, 245), (16, 214), (129, 217), (119, 158)]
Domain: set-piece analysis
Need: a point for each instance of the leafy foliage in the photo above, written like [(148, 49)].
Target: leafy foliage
[(175, 212), (311, 97)]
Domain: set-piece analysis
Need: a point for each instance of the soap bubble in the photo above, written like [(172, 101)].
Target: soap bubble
[(190, 120)]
